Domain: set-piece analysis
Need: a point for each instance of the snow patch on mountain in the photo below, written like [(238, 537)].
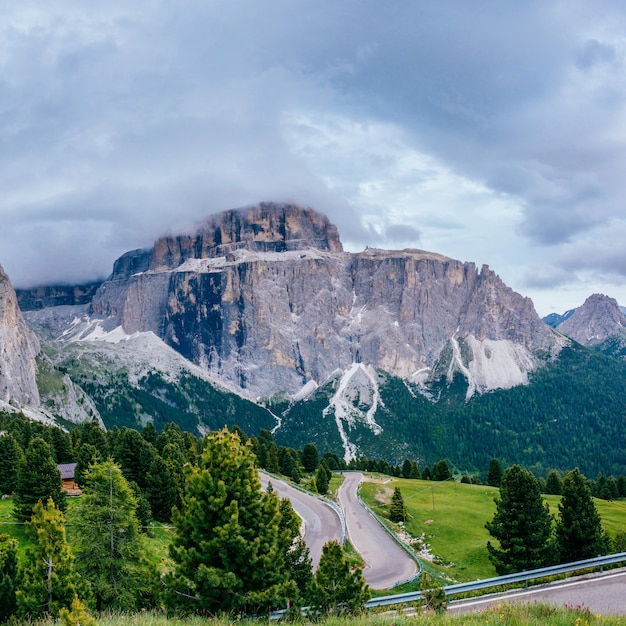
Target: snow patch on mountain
[(356, 400)]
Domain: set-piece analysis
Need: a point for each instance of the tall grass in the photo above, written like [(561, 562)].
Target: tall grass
[(509, 615)]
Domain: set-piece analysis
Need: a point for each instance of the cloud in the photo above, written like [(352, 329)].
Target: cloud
[(493, 133)]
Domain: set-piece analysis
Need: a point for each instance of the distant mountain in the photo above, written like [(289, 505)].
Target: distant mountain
[(597, 320), (554, 319)]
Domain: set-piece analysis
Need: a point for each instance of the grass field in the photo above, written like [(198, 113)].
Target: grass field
[(452, 516)]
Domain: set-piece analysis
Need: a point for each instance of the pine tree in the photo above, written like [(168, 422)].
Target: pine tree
[(38, 478), (86, 454), (337, 588), (310, 458), (160, 490), (441, 471), (494, 473), (553, 483), (426, 475), (10, 455), (397, 510), (406, 469), (322, 479), (522, 524), (109, 549), (48, 582), (8, 576), (229, 549), (578, 526), (415, 472)]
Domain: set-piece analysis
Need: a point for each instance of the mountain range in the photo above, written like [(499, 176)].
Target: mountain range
[(260, 318)]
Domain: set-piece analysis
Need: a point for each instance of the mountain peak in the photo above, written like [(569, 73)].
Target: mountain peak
[(595, 321), (266, 227)]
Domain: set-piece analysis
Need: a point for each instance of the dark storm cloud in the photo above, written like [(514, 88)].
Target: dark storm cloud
[(121, 121)]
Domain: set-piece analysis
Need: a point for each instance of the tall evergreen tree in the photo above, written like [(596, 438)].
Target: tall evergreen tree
[(38, 478), (48, 582), (415, 471), (160, 490), (109, 549), (578, 525), (494, 473), (406, 469), (522, 524), (441, 471), (553, 483), (86, 454), (8, 576), (338, 588), (10, 455), (229, 548), (310, 458), (322, 478), (397, 510)]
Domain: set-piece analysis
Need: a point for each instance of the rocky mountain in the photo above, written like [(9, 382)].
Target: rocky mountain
[(598, 319), (259, 318), (18, 350), (266, 300)]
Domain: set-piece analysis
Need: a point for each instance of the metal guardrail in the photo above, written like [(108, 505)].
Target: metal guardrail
[(507, 579)]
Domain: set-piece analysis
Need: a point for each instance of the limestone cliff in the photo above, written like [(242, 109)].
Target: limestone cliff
[(18, 349), (265, 299)]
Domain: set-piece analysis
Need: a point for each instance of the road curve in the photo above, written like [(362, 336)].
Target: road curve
[(321, 522), (387, 564), (601, 593)]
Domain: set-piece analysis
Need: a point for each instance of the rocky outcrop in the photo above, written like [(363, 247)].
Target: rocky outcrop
[(56, 295), (265, 299), (18, 349), (598, 319)]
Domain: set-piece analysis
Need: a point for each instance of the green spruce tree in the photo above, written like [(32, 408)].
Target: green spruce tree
[(337, 587), (522, 524), (160, 490), (553, 483), (397, 510), (108, 546), (578, 526), (229, 548), (494, 473), (38, 478), (48, 582), (310, 458)]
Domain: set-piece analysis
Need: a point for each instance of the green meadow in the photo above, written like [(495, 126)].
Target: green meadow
[(451, 518)]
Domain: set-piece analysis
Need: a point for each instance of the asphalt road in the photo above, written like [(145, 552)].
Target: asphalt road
[(321, 522), (387, 564), (603, 594)]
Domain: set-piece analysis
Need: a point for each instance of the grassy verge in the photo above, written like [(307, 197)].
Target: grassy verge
[(520, 615), (451, 519)]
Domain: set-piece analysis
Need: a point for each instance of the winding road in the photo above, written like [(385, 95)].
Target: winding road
[(321, 522), (387, 564)]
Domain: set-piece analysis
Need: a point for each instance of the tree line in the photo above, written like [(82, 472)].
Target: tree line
[(234, 547)]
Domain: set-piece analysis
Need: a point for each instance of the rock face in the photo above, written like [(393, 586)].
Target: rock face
[(596, 320), (265, 299), (18, 349), (56, 295)]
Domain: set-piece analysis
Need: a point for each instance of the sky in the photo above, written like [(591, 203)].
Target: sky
[(491, 131)]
